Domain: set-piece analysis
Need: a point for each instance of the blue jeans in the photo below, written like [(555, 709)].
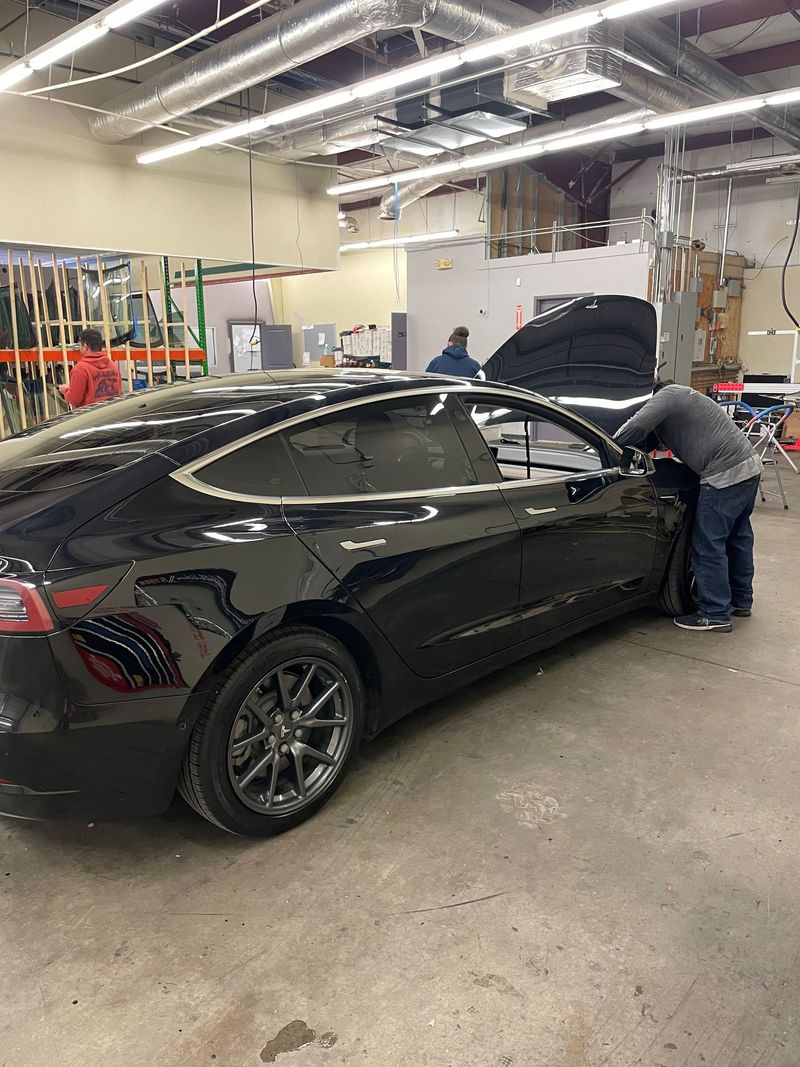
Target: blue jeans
[(722, 549)]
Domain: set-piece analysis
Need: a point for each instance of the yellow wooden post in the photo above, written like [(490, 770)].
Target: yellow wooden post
[(12, 295), (146, 324), (38, 321), (186, 360), (62, 326)]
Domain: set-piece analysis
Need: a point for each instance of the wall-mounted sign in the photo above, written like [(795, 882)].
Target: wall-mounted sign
[(518, 317), (444, 264)]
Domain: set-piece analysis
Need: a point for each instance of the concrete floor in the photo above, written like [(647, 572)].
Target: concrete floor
[(590, 859)]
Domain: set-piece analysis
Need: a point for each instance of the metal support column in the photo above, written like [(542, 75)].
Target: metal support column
[(201, 310)]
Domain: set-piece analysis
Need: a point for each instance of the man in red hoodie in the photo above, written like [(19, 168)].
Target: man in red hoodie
[(96, 377)]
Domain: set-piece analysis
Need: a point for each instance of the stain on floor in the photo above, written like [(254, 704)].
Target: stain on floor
[(295, 1035)]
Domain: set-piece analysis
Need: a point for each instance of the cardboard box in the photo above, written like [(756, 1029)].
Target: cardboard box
[(791, 428)]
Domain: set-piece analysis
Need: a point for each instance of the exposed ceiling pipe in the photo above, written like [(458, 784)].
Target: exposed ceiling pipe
[(666, 94), (305, 31), (692, 65), (755, 168)]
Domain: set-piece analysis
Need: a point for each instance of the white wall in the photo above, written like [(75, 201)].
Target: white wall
[(62, 189), (223, 302), (761, 227), (760, 213), (370, 285), (483, 294), (367, 288)]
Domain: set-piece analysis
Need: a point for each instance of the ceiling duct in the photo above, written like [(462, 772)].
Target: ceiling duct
[(693, 66), (290, 38), (593, 65), (393, 202)]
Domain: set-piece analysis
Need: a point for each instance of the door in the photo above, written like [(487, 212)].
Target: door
[(588, 532), (396, 513)]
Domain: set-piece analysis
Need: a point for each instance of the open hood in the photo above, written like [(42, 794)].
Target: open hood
[(595, 355)]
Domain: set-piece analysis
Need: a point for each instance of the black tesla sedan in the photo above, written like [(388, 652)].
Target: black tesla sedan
[(222, 585)]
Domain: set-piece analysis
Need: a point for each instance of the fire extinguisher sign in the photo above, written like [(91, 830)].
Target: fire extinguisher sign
[(518, 317)]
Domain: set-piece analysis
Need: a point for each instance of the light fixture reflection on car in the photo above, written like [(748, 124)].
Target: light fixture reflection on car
[(430, 513), (597, 402)]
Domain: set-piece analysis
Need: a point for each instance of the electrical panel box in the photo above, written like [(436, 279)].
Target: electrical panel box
[(677, 338), (720, 299)]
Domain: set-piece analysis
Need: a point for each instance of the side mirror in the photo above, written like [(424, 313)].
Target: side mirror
[(635, 463)]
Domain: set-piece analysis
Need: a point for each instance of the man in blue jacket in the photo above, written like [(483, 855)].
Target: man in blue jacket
[(455, 360)]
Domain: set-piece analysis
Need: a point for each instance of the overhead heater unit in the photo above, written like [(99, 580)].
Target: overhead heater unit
[(585, 63)]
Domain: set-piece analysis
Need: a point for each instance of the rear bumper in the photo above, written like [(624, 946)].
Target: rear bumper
[(60, 760), (122, 765)]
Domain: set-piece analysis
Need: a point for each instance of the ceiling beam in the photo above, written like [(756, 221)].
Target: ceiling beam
[(708, 140), (727, 13), (773, 57)]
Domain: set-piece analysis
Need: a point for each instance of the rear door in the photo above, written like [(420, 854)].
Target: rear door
[(588, 533), (395, 511)]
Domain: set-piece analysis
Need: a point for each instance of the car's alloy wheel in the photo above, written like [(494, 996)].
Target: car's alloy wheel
[(290, 736), (277, 734)]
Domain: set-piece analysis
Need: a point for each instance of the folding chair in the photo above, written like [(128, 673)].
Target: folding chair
[(765, 428)]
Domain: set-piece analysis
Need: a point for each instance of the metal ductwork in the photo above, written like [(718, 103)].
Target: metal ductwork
[(391, 205), (297, 35), (663, 94), (691, 64)]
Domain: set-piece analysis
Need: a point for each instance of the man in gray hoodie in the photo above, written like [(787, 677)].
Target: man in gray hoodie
[(707, 440)]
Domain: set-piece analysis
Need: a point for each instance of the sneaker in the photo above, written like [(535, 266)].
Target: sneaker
[(743, 613), (700, 622)]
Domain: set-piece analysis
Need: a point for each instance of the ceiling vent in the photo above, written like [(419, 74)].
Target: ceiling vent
[(452, 134), (588, 67)]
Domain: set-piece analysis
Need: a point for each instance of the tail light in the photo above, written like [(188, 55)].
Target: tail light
[(23, 609)]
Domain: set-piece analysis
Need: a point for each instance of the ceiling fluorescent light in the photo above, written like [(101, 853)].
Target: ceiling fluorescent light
[(620, 9), (399, 177), (787, 96), (595, 136), (121, 14), (406, 75), (66, 45), (13, 75), (395, 242), (701, 114), (539, 31), (315, 106), (502, 155)]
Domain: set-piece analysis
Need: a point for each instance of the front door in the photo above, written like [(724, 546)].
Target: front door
[(396, 513), (588, 533)]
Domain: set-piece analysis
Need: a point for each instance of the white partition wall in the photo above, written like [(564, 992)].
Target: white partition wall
[(484, 294)]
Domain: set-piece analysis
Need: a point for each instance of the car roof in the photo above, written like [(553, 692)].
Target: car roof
[(332, 385)]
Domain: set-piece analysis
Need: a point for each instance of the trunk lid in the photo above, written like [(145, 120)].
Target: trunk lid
[(595, 355)]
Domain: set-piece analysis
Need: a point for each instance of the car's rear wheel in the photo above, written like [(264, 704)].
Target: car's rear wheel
[(276, 738), (677, 589)]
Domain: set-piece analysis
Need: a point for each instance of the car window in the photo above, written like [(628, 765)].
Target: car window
[(99, 440), (392, 446), (261, 468), (526, 444)]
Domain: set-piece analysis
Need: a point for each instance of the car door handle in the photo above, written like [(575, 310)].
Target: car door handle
[(539, 511), (353, 546)]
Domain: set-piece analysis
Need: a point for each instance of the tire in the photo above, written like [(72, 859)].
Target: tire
[(277, 736), (676, 594)]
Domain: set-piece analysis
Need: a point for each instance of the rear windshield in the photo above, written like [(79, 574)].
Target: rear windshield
[(106, 437)]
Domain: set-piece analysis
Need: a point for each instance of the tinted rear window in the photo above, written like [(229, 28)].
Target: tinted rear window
[(102, 439)]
